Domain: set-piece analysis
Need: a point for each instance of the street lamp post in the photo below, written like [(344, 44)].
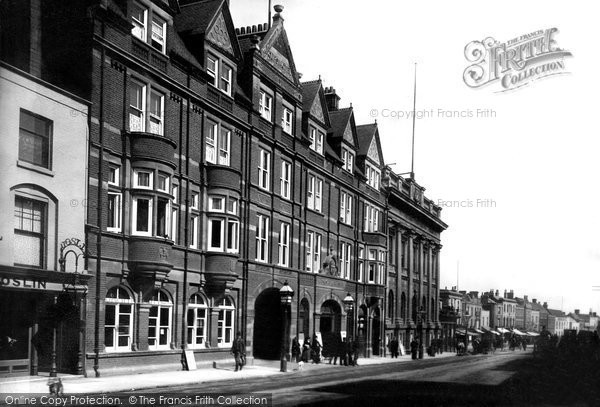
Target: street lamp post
[(349, 304), (286, 294)]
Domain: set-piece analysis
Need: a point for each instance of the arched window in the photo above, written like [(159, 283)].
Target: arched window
[(391, 305), (159, 324), (196, 322), (226, 323), (118, 320)]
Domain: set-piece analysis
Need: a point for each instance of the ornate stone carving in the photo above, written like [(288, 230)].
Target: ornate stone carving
[(219, 34)]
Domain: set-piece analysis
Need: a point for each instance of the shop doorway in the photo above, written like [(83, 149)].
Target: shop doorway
[(330, 325), (268, 325)]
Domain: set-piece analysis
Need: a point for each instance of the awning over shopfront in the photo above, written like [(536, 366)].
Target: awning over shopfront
[(479, 331), (473, 332), (517, 332), (491, 331), (532, 333), (503, 330)]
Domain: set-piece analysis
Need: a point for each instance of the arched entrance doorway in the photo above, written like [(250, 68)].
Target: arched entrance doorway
[(375, 331), (330, 325), (268, 325)]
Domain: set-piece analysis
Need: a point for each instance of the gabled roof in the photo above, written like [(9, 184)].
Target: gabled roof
[(310, 90), (339, 121), (275, 49), (196, 16), (208, 20), (314, 103), (369, 143)]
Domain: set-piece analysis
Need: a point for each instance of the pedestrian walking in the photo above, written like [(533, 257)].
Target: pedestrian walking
[(239, 352), (296, 352), (394, 345), (356, 350), (414, 348)]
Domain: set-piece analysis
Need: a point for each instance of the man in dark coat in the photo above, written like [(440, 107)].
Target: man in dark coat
[(239, 351), (414, 348), (394, 347)]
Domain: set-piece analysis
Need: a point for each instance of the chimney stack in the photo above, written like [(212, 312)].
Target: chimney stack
[(474, 294), (576, 312), (534, 300), (545, 305), (333, 103), (505, 293), (525, 297), (497, 293)]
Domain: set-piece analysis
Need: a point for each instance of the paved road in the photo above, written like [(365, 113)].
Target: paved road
[(447, 381)]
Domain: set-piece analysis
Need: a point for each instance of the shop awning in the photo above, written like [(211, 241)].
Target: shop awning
[(502, 330), (479, 331), (491, 331), (532, 333), (473, 332), (517, 332), (461, 331)]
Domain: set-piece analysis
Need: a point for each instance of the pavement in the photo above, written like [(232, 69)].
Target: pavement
[(219, 371)]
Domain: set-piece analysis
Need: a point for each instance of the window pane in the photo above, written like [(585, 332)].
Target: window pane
[(216, 230), (143, 211), (109, 336), (109, 315)]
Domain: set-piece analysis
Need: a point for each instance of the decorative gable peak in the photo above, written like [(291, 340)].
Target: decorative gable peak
[(218, 34), (275, 49)]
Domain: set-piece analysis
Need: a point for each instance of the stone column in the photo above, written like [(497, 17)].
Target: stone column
[(410, 287), (143, 317), (213, 340)]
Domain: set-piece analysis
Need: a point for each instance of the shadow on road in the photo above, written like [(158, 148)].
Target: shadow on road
[(535, 382)]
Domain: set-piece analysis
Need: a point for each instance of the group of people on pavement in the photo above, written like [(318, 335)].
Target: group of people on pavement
[(346, 350)]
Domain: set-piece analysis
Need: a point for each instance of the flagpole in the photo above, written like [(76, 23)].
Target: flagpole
[(412, 160)]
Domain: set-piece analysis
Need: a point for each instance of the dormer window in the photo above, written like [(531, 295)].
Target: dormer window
[(348, 158), (316, 140), (221, 74), (373, 176), (265, 105), (141, 16), (287, 120)]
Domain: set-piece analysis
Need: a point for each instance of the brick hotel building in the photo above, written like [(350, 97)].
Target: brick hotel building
[(215, 176)]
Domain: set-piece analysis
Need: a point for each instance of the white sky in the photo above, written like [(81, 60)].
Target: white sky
[(537, 158)]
